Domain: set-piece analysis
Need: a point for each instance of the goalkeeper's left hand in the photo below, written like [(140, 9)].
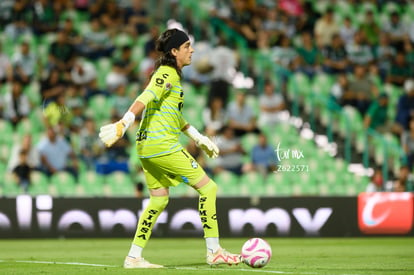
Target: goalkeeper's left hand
[(111, 133), (203, 142), (208, 146)]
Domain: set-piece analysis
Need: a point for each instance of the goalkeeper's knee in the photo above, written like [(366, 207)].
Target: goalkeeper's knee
[(209, 189), (158, 202)]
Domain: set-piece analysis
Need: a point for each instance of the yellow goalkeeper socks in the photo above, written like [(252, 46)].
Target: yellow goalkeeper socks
[(207, 209), (148, 218)]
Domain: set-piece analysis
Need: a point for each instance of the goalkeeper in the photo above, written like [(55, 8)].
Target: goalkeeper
[(165, 162)]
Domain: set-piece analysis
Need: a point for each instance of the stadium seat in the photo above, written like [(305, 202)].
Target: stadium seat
[(248, 141), (6, 130), (91, 183), (63, 184), (39, 183), (10, 187), (119, 184), (321, 86), (100, 107), (225, 177)]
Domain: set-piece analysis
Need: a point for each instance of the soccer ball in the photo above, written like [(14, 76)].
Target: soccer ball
[(256, 252)]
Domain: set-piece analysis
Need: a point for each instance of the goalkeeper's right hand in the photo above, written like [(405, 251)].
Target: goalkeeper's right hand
[(111, 133)]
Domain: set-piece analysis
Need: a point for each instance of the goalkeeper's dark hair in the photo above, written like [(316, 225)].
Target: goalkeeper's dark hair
[(166, 57)]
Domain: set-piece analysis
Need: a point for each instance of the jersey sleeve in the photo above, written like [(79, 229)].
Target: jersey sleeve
[(160, 83), (183, 122)]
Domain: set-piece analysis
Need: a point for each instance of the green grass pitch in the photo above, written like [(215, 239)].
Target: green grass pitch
[(342, 256)]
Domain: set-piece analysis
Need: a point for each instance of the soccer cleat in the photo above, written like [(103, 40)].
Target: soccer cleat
[(223, 257), (139, 263)]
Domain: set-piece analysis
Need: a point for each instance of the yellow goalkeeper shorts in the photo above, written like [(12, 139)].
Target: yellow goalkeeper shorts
[(171, 170)]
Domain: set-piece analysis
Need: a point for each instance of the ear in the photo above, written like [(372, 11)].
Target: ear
[(174, 51)]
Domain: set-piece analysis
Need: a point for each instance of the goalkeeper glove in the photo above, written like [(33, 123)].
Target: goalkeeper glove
[(203, 142), (111, 133)]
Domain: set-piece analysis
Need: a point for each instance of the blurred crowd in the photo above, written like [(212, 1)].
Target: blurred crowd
[(67, 66)]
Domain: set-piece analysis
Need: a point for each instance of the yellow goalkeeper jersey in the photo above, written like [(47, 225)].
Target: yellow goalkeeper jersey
[(162, 118)]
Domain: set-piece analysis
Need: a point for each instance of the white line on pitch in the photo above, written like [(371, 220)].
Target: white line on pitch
[(172, 267), (66, 263)]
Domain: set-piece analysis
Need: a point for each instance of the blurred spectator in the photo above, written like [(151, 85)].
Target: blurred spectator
[(271, 104), (335, 57), (147, 65), (241, 19), (405, 108), (214, 116), (359, 52), (120, 101), (309, 56), (82, 5), (395, 28), (223, 60), (76, 116), (115, 78), (57, 112), (62, 53), (307, 20), (370, 28), (84, 76), (6, 11), (270, 23), (136, 18), (407, 142), (400, 70), (25, 64), (241, 116), (198, 73), (73, 36), (347, 31), (111, 17), (154, 33), (376, 116), (96, 8), (221, 9), (96, 43), (51, 87), (5, 66), (376, 182), (16, 105), (22, 9), (263, 157), (90, 148), (409, 54), (405, 175), (384, 54), (46, 16), (127, 63), (284, 25), (284, 53), (361, 90), (83, 73), (339, 92), (231, 153), (17, 28), (55, 154), (325, 28), (22, 171), (26, 145), (399, 186)]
